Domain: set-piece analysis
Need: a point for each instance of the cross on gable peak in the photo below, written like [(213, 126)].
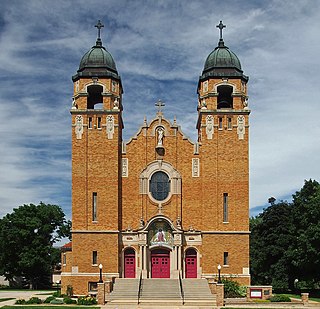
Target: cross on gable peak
[(159, 106)]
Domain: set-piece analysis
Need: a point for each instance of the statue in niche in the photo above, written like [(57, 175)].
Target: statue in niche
[(116, 103), (160, 136), (203, 104), (245, 103), (74, 105)]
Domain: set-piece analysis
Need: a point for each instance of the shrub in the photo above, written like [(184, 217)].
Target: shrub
[(49, 299), (87, 300), (34, 300), (57, 301), (20, 301), (280, 298), (232, 289), (57, 293), (69, 301)]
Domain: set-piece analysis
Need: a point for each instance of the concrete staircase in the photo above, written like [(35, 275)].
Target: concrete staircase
[(197, 292), (160, 291), (125, 291)]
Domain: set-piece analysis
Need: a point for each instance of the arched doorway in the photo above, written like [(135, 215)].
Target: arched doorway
[(160, 263), (129, 263), (191, 263)]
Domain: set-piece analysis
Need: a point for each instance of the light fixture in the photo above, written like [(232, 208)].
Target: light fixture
[(100, 268)]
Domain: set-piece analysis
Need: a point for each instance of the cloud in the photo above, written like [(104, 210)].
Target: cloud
[(159, 48)]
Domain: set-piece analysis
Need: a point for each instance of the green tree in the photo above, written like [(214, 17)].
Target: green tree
[(307, 220), (27, 236), (285, 240), (272, 236)]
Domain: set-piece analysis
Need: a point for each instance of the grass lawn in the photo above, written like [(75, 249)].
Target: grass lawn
[(5, 299), (299, 297)]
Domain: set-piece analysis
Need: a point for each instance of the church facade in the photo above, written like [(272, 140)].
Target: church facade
[(158, 205)]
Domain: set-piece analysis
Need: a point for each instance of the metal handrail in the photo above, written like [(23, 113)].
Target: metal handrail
[(181, 288), (140, 283)]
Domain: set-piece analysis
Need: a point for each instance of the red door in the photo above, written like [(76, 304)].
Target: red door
[(129, 264), (160, 264), (191, 263)]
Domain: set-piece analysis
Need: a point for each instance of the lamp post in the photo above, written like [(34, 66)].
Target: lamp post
[(100, 268), (219, 274)]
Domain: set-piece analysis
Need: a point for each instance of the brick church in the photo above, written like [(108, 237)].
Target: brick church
[(159, 205)]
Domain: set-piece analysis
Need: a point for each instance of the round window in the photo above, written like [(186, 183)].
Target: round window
[(159, 186)]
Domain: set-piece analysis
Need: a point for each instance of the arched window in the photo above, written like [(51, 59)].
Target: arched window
[(94, 96), (225, 99), (159, 186)]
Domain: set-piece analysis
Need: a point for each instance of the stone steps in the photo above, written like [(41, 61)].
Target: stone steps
[(197, 291), (125, 291), (162, 292)]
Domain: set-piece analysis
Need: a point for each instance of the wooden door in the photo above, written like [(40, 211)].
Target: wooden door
[(191, 263), (160, 264), (129, 263)]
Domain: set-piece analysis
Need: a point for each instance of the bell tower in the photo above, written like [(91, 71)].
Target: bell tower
[(96, 155), (223, 135)]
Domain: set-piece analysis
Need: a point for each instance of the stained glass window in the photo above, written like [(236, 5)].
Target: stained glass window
[(159, 186)]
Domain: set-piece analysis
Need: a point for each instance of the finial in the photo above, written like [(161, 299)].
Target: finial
[(221, 26), (99, 25), (159, 105)]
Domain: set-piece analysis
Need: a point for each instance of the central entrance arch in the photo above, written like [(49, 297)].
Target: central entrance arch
[(160, 263)]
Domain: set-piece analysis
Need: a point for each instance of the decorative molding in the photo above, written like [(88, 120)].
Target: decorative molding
[(174, 175), (241, 126), (209, 126), (195, 167), (125, 170), (79, 126), (110, 126)]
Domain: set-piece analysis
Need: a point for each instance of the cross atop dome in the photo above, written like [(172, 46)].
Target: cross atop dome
[(99, 25), (221, 26)]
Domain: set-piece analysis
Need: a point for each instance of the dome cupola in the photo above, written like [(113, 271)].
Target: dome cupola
[(97, 62), (222, 62)]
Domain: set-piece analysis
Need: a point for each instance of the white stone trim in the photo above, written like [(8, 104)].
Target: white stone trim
[(110, 126), (78, 126), (209, 126), (241, 126), (125, 167), (156, 166), (195, 167)]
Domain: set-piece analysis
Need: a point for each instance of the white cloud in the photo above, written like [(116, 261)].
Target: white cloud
[(159, 48)]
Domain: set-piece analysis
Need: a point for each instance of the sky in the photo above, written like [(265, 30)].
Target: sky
[(159, 48)]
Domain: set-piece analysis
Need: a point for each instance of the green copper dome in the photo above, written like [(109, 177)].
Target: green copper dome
[(97, 62), (222, 62), (222, 57)]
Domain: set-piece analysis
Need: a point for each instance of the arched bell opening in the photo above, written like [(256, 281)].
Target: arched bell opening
[(225, 99), (94, 99)]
